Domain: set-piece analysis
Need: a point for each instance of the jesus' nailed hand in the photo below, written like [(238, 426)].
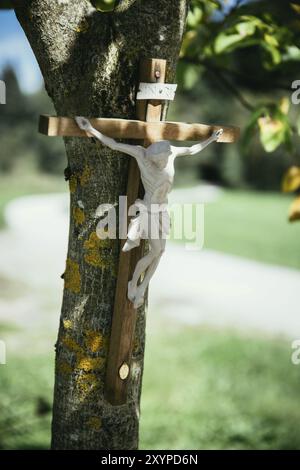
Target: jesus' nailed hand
[(156, 164)]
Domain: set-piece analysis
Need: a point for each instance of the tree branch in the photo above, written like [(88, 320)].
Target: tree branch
[(232, 89), (219, 75), (250, 81)]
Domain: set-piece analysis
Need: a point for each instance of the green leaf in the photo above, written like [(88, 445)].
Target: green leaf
[(191, 77), (194, 17), (246, 28), (271, 40), (273, 124), (274, 56), (284, 105), (294, 210), (291, 180), (254, 20), (271, 133), (275, 130), (103, 5), (225, 41), (291, 53), (295, 7)]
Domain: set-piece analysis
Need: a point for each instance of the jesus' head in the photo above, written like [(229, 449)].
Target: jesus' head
[(159, 153)]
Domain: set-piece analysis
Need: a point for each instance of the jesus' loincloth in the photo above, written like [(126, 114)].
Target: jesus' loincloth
[(151, 222)]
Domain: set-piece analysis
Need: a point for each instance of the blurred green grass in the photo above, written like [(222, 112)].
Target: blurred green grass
[(25, 386), (219, 390), (20, 184), (253, 225), (202, 389)]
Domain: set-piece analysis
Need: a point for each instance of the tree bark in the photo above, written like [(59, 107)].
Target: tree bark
[(89, 61)]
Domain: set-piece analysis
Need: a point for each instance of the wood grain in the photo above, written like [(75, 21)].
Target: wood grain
[(134, 129)]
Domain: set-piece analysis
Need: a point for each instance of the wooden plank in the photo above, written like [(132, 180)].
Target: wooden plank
[(135, 129), (124, 315), (156, 70), (156, 91)]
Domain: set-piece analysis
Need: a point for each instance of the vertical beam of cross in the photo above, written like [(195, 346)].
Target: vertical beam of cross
[(124, 315)]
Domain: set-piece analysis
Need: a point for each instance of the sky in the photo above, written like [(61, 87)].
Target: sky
[(15, 51)]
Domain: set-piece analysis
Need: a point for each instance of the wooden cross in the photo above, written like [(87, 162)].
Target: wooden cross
[(148, 128)]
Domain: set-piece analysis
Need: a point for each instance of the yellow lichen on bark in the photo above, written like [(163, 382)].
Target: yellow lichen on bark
[(92, 247), (95, 341), (89, 364), (94, 255), (85, 365), (79, 178), (85, 176), (72, 276), (94, 422), (64, 368), (79, 216), (73, 184), (67, 324), (71, 344), (86, 384)]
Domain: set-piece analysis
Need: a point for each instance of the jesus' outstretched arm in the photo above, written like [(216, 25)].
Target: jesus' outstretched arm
[(194, 149), (135, 151)]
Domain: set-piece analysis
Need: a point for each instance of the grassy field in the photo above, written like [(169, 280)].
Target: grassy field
[(212, 390), (253, 225), (218, 390)]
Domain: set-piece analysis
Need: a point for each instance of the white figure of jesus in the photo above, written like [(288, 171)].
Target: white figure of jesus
[(156, 164)]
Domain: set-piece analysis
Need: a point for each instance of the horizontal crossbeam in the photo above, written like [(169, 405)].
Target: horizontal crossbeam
[(130, 129)]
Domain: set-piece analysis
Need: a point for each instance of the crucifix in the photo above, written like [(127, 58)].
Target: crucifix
[(154, 160), (156, 165)]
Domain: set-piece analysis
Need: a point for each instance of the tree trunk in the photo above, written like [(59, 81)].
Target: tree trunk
[(89, 61)]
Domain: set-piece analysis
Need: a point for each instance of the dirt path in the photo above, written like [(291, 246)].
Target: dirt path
[(208, 288)]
